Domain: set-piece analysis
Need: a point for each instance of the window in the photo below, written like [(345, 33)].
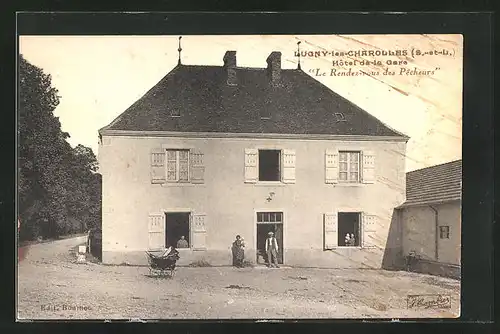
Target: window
[(349, 229), (177, 231), (269, 217), (444, 232), (177, 165), (269, 165), (340, 117), (349, 166)]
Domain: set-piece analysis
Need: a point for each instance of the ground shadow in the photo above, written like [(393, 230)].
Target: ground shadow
[(393, 254), (158, 276)]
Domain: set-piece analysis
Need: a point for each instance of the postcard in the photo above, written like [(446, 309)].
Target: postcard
[(239, 177)]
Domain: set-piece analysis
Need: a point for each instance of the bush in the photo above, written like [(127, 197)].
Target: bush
[(200, 263)]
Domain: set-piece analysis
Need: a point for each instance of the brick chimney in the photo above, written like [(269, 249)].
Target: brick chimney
[(274, 67), (230, 67)]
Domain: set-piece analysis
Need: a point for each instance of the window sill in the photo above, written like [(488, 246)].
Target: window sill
[(189, 250), (269, 183), (346, 247), (181, 184), (349, 184)]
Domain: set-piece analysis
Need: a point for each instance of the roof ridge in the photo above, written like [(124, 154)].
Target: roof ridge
[(434, 166), (438, 168), (237, 67), (442, 167), (196, 65)]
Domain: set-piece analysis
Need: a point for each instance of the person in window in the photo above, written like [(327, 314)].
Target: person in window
[(238, 252), (182, 243), (352, 240), (347, 239), (272, 250)]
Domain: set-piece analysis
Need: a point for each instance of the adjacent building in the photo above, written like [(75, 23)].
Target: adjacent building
[(431, 218), (211, 152)]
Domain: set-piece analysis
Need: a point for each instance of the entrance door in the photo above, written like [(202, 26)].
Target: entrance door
[(269, 222)]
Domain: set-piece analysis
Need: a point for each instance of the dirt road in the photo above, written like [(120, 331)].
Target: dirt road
[(53, 251), (52, 286)]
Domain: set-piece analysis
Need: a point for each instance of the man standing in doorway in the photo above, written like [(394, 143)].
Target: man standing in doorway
[(272, 250)]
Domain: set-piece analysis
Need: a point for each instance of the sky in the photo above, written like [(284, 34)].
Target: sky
[(99, 77)]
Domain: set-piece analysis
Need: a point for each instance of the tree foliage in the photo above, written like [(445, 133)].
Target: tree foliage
[(59, 189)]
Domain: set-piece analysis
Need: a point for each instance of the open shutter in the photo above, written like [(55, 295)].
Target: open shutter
[(198, 232), (288, 163), (369, 229), (156, 231), (331, 166), (251, 165), (368, 167), (330, 230), (157, 165), (197, 167)]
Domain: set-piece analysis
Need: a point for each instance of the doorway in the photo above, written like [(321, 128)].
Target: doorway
[(177, 227), (269, 222)]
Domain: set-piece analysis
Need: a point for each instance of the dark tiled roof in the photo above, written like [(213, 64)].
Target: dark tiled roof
[(301, 105), (436, 184)]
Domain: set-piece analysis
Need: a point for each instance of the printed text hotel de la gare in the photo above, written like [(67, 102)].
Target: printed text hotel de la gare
[(378, 62)]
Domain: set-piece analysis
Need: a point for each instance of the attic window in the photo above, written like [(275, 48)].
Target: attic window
[(340, 117), (265, 113), (175, 113)]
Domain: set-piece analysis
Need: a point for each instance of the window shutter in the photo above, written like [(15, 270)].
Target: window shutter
[(156, 231), (330, 230), (368, 167), (157, 165), (197, 167), (251, 165), (288, 163), (331, 166), (198, 232), (369, 230)]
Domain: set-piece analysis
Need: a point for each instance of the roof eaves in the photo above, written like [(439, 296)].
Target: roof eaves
[(410, 203), (401, 134)]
